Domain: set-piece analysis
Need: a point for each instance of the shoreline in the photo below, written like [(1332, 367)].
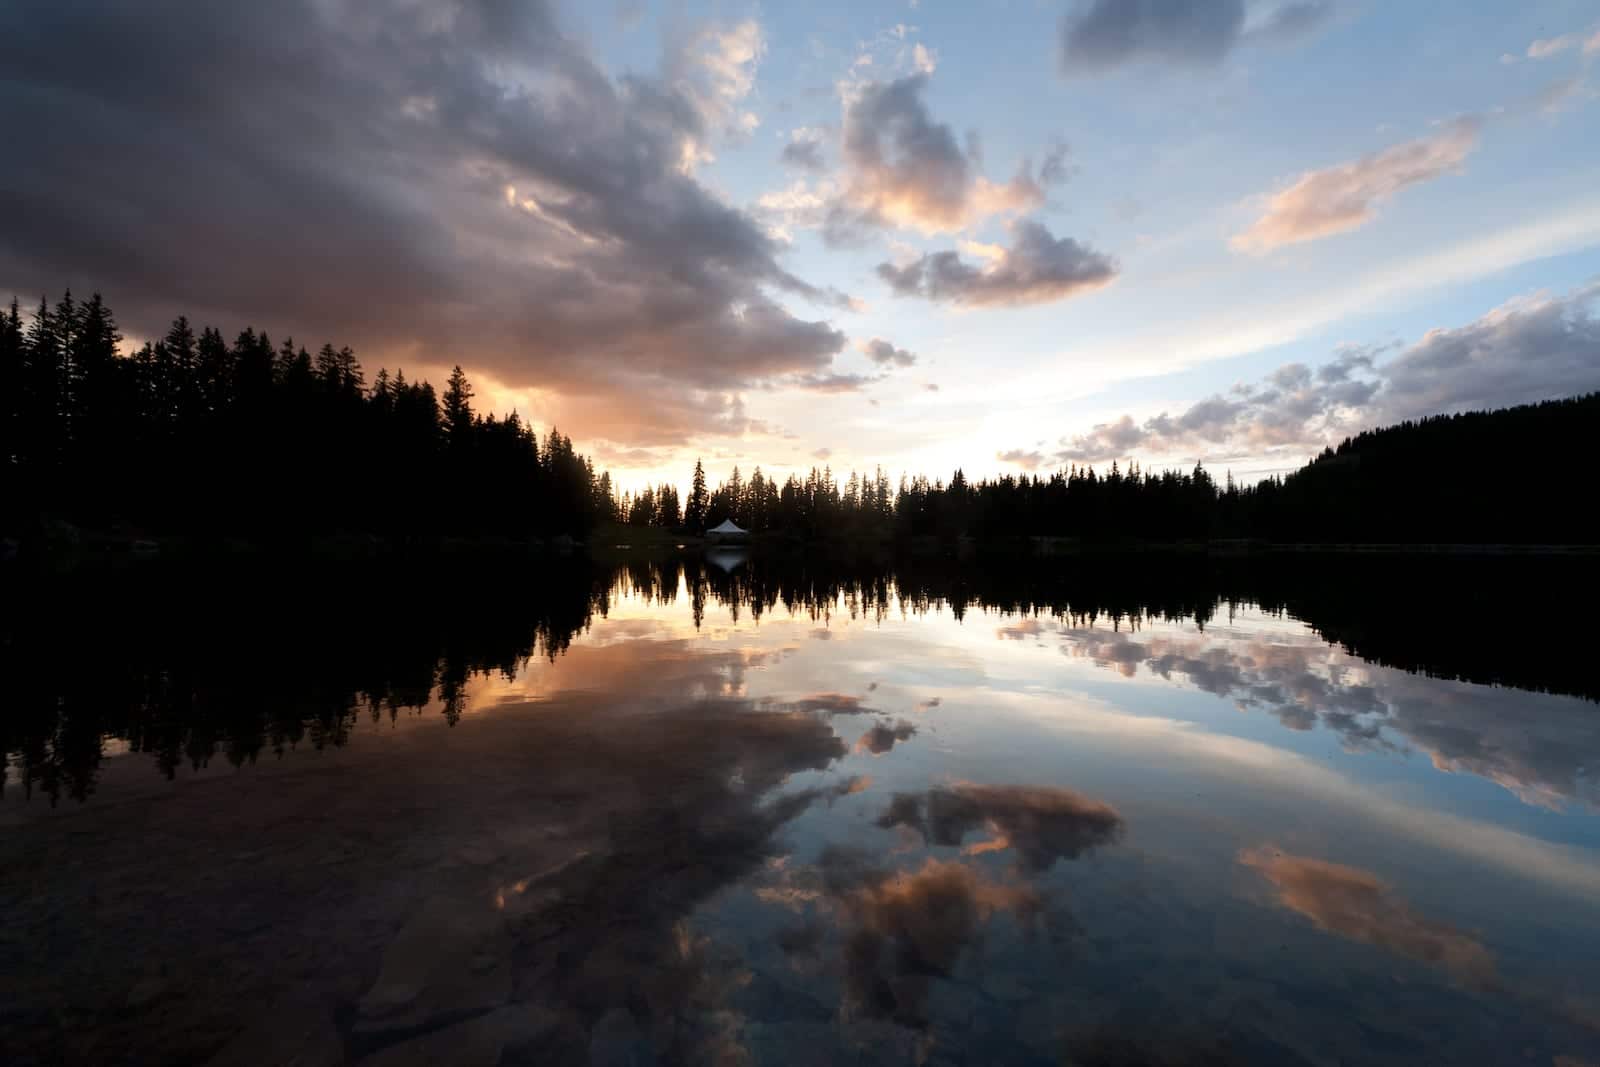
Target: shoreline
[(69, 546)]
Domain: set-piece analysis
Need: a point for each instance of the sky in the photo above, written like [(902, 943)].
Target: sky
[(1005, 235)]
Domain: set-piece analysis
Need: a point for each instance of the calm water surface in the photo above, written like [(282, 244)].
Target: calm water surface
[(713, 812)]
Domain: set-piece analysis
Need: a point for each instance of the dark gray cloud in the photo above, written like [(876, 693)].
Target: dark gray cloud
[(803, 155), (902, 168), (1038, 268), (1109, 33), (429, 183), (885, 354), (1526, 350), (1101, 35), (1530, 349), (908, 163)]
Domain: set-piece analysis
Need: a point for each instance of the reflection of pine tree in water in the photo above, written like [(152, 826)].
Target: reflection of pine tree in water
[(298, 658), (295, 658), (1435, 616)]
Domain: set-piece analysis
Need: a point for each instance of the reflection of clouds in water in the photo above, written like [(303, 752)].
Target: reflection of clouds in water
[(692, 803), (1021, 630), (1541, 747), (906, 929), (901, 930), (1357, 905), (551, 854), (827, 704), (635, 670), (883, 735), (1268, 774), (1041, 824)]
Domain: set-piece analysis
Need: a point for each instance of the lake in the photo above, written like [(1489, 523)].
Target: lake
[(733, 809)]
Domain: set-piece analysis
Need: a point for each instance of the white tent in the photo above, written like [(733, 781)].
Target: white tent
[(726, 528)]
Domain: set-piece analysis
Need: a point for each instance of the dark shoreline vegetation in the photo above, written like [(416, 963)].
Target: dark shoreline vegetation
[(194, 439), (187, 661)]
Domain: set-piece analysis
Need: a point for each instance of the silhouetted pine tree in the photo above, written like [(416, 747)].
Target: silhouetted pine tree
[(190, 434)]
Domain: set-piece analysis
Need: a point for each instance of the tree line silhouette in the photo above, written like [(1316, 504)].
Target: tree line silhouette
[(1465, 478), (192, 433)]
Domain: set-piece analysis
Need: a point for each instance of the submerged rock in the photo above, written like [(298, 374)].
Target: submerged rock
[(452, 958), (477, 1042), (293, 1033)]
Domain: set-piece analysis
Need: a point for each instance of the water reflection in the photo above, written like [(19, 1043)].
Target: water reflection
[(1039, 824), (1542, 748), (784, 813), (1356, 904)]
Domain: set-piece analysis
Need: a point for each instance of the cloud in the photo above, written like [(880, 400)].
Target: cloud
[(1555, 96), (1586, 41), (1040, 824), (802, 204), (1529, 349), (903, 169), (425, 183), (1357, 905), (1103, 35), (1321, 203), (1290, 22), (832, 382), (804, 150), (803, 155), (715, 69), (885, 354), (1027, 459), (1037, 268)]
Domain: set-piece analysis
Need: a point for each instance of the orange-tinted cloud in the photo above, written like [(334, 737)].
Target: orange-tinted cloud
[(1324, 202), (1357, 905)]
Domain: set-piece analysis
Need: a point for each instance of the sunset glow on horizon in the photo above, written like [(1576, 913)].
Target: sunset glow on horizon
[(911, 235)]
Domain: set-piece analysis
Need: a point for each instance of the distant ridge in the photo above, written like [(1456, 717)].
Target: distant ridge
[(1518, 475)]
